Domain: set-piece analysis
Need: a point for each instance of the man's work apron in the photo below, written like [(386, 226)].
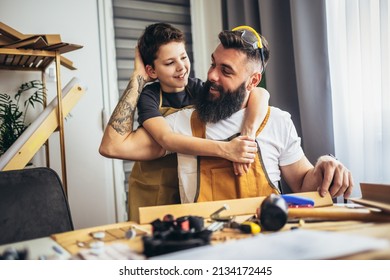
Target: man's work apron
[(216, 178), (154, 182)]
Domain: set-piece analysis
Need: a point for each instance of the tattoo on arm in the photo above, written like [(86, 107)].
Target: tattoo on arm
[(122, 119)]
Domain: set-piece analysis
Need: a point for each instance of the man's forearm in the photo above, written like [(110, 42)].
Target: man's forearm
[(120, 126), (122, 119)]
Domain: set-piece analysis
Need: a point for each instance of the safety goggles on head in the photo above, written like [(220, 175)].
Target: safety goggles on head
[(247, 33)]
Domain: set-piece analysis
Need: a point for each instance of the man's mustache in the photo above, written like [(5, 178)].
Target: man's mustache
[(209, 84)]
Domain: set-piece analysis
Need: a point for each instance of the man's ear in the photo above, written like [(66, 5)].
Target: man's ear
[(151, 72), (254, 80)]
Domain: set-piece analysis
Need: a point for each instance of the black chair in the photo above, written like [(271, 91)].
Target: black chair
[(32, 205)]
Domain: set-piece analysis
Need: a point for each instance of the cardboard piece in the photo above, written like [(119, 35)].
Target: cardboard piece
[(374, 195), (242, 206)]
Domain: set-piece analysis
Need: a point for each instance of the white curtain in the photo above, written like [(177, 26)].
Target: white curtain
[(359, 57)]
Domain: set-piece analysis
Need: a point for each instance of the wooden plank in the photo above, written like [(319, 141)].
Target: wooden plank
[(68, 240), (203, 209), (67, 63), (27, 52), (50, 39), (5, 40), (11, 33), (28, 43), (243, 206), (33, 138), (63, 47), (339, 214)]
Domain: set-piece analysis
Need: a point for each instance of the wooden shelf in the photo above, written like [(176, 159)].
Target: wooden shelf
[(30, 60), (24, 52)]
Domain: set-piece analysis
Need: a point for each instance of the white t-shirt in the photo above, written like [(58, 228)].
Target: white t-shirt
[(278, 141)]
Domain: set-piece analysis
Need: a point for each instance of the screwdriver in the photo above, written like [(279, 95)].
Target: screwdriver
[(246, 227), (250, 227)]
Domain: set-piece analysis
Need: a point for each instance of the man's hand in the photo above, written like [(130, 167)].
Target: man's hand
[(139, 66), (335, 177)]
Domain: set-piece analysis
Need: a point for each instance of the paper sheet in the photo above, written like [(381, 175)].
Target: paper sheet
[(289, 245), (40, 248)]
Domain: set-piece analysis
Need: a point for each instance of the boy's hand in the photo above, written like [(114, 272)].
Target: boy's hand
[(240, 168), (249, 150), (241, 149)]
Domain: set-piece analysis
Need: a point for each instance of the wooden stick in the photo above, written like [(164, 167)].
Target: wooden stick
[(241, 206), (339, 213)]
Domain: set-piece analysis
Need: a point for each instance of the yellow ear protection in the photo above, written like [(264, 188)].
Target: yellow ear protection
[(249, 39)]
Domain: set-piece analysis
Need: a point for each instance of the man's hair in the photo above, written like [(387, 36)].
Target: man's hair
[(154, 36), (233, 40)]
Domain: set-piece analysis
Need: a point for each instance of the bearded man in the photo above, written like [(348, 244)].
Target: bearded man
[(237, 66)]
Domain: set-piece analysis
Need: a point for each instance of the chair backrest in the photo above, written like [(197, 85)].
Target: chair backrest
[(32, 205)]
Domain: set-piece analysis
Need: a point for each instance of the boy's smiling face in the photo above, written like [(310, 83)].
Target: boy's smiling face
[(171, 67)]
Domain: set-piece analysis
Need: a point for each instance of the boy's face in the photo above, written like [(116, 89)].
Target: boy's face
[(171, 67)]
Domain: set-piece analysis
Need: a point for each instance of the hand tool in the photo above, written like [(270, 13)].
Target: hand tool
[(273, 212)]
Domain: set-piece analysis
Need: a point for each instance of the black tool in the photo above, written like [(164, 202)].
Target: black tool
[(273, 213), (170, 235)]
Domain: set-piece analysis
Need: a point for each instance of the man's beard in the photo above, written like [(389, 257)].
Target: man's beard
[(222, 107)]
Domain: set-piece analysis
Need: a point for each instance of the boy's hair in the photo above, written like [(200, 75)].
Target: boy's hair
[(233, 40), (154, 36)]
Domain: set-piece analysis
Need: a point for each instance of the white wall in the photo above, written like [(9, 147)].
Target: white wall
[(90, 179), (206, 17)]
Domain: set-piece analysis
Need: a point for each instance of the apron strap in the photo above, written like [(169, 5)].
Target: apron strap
[(264, 121), (197, 126)]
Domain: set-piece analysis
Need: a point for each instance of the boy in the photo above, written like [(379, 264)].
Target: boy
[(162, 48)]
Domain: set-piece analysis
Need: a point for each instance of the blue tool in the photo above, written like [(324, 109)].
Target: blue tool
[(297, 200)]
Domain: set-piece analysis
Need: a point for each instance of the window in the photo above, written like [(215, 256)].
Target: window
[(130, 19), (359, 49)]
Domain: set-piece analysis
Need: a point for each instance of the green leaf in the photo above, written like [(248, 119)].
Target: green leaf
[(12, 114)]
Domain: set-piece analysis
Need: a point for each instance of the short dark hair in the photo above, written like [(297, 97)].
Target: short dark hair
[(233, 40), (154, 36)]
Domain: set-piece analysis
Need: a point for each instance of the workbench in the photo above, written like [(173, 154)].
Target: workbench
[(327, 218)]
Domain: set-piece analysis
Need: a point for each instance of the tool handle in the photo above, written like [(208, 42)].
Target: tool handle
[(298, 200), (338, 213)]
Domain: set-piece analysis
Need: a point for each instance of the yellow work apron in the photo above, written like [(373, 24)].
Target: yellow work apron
[(216, 178), (154, 182)]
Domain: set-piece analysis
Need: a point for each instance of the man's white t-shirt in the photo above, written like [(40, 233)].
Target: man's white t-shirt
[(278, 141)]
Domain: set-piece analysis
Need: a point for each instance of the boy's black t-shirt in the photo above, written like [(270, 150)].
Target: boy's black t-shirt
[(149, 100)]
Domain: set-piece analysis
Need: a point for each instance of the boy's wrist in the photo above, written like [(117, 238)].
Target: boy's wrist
[(249, 132), (223, 149)]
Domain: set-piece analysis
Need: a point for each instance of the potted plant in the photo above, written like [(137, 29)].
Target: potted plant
[(13, 111)]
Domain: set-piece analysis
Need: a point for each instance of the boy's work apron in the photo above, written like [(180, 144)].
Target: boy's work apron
[(154, 182), (216, 178)]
